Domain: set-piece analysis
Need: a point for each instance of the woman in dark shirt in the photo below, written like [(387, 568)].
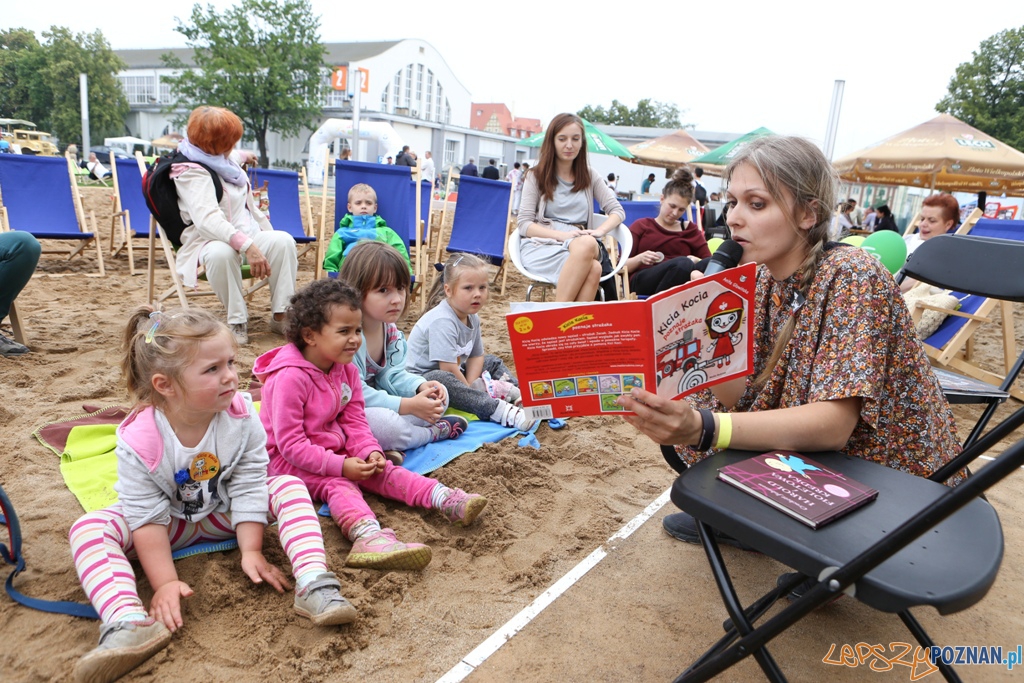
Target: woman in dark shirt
[(662, 246)]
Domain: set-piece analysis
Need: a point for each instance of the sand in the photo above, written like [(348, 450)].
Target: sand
[(641, 615)]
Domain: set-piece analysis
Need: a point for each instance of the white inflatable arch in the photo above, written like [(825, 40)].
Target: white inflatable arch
[(332, 129)]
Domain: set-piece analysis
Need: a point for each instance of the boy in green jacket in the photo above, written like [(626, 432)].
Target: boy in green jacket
[(360, 223)]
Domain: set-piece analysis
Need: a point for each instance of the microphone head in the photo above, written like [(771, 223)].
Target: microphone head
[(728, 254)]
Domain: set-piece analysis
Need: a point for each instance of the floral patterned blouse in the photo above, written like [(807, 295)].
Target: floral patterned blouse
[(853, 338)]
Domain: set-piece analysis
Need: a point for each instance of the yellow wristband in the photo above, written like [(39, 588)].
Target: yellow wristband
[(724, 430)]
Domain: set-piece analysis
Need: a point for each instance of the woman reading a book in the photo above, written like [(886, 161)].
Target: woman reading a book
[(662, 246), (556, 214), (837, 366)]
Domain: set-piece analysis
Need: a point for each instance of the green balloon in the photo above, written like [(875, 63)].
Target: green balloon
[(714, 243), (888, 247), (855, 240)]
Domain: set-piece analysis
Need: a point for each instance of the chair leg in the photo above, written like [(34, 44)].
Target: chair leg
[(706, 666), (18, 330), (922, 637)]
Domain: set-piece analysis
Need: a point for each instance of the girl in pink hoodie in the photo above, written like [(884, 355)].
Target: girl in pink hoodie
[(315, 419)]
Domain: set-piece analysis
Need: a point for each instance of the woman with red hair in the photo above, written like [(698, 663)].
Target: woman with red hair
[(939, 215), (223, 235), (557, 211)]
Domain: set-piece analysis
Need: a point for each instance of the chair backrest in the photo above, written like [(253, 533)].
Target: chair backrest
[(637, 210), (972, 264), (128, 184), (38, 197), (283, 188), (396, 195), (481, 218)]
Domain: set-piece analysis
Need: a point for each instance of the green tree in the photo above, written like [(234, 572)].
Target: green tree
[(648, 113), (262, 59), (40, 81), (988, 91)]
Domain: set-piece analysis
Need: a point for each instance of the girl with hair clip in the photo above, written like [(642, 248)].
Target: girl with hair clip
[(446, 346), (191, 468), (556, 214), (404, 410), (837, 366), (664, 250), (316, 426)]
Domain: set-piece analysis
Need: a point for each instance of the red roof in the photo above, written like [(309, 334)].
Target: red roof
[(496, 118)]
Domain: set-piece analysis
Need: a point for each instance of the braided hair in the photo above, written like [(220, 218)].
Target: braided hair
[(795, 174)]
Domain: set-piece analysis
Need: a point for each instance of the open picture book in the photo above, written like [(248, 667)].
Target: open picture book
[(577, 359)]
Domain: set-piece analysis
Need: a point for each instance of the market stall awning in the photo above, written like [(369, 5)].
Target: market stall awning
[(668, 151)]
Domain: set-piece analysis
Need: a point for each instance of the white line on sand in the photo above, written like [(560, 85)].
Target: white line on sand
[(517, 623)]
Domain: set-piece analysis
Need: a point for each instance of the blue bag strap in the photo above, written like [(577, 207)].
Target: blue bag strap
[(13, 556)]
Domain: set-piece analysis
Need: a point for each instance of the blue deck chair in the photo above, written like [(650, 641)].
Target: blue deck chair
[(40, 196), (635, 210), (481, 222), (290, 210), (398, 203), (129, 203)]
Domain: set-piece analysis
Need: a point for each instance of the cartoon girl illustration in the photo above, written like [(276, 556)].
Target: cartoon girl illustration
[(724, 317)]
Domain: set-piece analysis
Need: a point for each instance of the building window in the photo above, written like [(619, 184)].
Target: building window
[(451, 150), (437, 105), (419, 87), (139, 90), (384, 99), (408, 85), (428, 104)]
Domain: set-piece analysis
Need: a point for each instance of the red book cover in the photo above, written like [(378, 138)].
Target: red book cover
[(576, 359), (802, 488)]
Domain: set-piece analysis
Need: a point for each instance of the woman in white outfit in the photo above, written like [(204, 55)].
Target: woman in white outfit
[(227, 234), (556, 214)]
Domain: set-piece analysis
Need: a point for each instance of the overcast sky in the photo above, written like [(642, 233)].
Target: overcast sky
[(730, 66)]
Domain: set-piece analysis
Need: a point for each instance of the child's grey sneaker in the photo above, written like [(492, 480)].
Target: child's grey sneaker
[(123, 646), (322, 603), (9, 347)]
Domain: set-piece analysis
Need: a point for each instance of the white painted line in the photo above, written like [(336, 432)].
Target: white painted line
[(517, 623)]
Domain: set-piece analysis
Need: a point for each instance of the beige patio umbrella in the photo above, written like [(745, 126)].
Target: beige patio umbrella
[(944, 153), (668, 151)]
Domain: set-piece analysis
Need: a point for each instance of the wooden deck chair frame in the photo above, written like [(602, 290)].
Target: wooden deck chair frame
[(178, 287), (120, 221), (80, 216)]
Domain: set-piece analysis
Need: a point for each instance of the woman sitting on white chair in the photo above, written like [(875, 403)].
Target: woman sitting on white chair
[(557, 211), (227, 234)]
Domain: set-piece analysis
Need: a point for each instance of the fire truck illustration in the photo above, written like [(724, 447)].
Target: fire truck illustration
[(682, 356)]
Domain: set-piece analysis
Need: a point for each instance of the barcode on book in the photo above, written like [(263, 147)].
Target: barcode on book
[(539, 412)]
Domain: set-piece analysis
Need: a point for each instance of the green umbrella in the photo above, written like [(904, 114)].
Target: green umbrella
[(715, 161), (597, 142)]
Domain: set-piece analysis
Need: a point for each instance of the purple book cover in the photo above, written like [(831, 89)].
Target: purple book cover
[(795, 484)]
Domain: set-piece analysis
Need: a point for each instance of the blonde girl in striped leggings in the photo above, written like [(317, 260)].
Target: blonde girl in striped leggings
[(192, 467)]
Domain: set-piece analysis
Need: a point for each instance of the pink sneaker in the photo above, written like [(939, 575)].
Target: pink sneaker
[(383, 551), (462, 508)]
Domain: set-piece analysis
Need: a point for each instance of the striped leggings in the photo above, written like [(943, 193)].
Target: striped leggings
[(101, 543)]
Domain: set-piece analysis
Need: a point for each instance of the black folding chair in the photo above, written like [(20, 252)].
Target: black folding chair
[(919, 543)]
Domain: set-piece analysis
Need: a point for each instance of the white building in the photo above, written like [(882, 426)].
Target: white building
[(409, 86)]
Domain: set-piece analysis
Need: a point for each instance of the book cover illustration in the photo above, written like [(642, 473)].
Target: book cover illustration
[(799, 486), (578, 359)]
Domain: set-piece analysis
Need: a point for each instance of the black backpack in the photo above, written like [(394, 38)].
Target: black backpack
[(162, 196)]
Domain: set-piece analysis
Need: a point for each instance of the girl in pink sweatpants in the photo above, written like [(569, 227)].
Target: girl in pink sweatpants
[(313, 411)]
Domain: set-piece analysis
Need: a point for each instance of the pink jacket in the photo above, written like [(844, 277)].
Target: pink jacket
[(314, 419)]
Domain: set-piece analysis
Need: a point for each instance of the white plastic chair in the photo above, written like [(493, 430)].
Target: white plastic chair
[(623, 244)]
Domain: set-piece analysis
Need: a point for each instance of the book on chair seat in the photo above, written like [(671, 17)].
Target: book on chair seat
[(802, 488)]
